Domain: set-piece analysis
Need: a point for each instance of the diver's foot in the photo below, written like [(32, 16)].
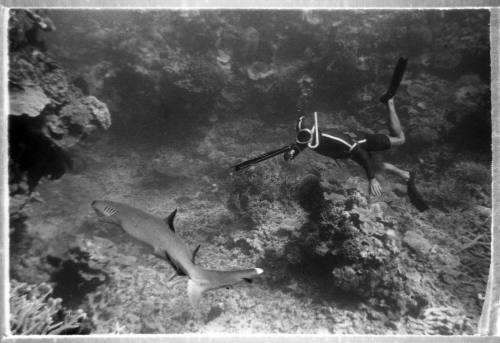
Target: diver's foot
[(415, 197), (387, 96)]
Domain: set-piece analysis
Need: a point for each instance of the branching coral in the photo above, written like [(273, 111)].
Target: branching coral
[(35, 312)]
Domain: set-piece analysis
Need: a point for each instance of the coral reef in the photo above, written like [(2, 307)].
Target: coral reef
[(362, 250), (194, 92), (76, 121), (47, 115), (34, 312), (310, 195)]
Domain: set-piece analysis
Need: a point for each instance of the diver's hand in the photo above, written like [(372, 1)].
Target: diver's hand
[(375, 188), (290, 155)]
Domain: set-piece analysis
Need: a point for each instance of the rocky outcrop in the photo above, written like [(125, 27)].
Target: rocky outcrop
[(359, 246), (77, 120), (28, 100), (47, 115)]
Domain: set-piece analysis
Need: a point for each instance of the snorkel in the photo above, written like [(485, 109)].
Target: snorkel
[(315, 130)]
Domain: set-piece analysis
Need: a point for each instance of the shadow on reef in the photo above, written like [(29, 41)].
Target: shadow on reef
[(74, 278), (471, 130)]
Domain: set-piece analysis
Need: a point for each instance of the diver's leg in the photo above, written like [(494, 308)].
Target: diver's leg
[(415, 197), (395, 170), (397, 136)]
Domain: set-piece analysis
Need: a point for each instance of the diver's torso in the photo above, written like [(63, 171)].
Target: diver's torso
[(334, 144)]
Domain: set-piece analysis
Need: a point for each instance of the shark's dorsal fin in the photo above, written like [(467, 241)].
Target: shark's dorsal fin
[(170, 220), (195, 252)]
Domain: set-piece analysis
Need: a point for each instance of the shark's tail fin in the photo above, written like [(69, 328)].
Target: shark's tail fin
[(205, 280)]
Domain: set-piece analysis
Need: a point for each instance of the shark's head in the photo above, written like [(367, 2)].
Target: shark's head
[(106, 210)]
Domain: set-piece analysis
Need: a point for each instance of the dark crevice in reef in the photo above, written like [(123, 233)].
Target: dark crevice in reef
[(33, 154), (74, 278)]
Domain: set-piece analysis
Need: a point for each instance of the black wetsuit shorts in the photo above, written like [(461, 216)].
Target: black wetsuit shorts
[(375, 142)]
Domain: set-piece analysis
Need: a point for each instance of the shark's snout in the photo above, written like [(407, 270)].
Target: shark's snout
[(98, 210)]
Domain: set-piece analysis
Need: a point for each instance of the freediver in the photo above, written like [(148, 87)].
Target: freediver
[(346, 145)]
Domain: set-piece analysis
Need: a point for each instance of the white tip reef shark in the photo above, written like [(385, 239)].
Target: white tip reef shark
[(160, 235)]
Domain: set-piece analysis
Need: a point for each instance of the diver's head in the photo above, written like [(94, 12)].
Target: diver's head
[(304, 136)]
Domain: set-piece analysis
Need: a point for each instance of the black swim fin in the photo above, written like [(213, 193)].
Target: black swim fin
[(415, 197), (397, 76)]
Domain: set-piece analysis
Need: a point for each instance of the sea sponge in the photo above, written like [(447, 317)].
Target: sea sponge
[(310, 194)]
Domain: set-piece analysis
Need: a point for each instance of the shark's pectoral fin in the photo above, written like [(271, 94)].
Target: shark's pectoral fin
[(171, 277), (195, 252), (160, 254), (178, 270), (194, 290), (170, 220)]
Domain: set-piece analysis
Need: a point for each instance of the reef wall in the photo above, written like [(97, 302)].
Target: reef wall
[(47, 117)]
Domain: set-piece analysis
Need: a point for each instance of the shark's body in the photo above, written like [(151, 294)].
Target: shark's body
[(161, 237)]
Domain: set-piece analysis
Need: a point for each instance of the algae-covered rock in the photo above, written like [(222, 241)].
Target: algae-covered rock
[(77, 120), (417, 243), (29, 100)]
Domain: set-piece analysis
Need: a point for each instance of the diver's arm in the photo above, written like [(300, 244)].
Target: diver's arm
[(296, 148), (360, 156)]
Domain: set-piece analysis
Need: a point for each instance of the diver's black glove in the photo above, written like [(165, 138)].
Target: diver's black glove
[(290, 154)]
